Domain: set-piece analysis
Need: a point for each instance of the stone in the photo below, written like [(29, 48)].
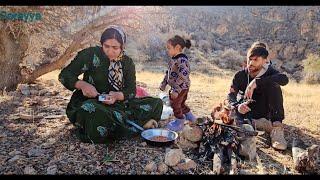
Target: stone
[(248, 147), (192, 133), (151, 167), (51, 82), (35, 152), (29, 170), (71, 147), (185, 144), (109, 171), (15, 158), (13, 153), (173, 157), (42, 92), (24, 89), (186, 164), (52, 170), (143, 144), (34, 92), (127, 166), (162, 168)]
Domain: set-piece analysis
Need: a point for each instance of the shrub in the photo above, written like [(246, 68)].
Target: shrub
[(311, 69)]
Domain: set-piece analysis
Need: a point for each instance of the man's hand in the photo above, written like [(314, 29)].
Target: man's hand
[(87, 89), (250, 88), (174, 95), (243, 108)]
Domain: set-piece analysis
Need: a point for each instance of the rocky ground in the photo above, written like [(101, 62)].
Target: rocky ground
[(37, 138)]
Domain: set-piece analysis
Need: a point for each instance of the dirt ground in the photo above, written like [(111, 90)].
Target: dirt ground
[(46, 144)]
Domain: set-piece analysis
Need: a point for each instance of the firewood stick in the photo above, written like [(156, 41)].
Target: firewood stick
[(217, 162)]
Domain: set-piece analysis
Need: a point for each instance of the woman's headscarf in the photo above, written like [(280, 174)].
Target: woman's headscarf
[(115, 76)]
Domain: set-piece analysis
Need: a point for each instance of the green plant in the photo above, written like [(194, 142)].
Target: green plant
[(311, 69)]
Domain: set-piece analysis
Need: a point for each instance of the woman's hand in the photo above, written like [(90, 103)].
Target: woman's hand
[(117, 95), (109, 100), (87, 89)]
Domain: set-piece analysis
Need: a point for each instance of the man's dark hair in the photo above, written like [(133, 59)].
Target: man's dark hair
[(258, 51)]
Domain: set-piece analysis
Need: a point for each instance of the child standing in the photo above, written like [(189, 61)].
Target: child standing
[(177, 77)]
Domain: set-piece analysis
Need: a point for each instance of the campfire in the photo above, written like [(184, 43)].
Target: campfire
[(221, 140)]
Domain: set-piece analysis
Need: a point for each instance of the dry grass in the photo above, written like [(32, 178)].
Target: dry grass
[(300, 103)]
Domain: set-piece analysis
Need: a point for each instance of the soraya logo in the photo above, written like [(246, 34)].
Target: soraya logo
[(20, 16)]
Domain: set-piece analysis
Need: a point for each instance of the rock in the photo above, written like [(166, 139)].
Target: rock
[(24, 89), (42, 92), (29, 170), (71, 147), (127, 166), (185, 144), (192, 133), (52, 170), (162, 168), (35, 152), (17, 103), (173, 157), (109, 171), (305, 158), (34, 92), (51, 82), (151, 167), (13, 153), (186, 164), (248, 146), (15, 158), (143, 144), (3, 136)]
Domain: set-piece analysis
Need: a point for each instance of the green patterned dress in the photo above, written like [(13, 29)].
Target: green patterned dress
[(95, 121)]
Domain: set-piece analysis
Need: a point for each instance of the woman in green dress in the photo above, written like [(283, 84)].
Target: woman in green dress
[(106, 70)]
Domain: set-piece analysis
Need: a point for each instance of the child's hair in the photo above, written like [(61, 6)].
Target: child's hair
[(179, 40)]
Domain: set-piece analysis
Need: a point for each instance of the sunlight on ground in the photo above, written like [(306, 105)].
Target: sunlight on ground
[(300, 100)]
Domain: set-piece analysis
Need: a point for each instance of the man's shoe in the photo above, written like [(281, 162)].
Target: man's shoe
[(262, 124), (277, 136)]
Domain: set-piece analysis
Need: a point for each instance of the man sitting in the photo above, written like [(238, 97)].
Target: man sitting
[(261, 83)]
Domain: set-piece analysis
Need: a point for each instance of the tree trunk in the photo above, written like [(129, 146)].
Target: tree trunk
[(11, 53), (10, 57)]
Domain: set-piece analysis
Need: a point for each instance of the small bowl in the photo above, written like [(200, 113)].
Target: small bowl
[(150, 133)]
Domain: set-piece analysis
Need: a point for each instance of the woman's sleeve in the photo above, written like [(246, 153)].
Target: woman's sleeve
[(129, 88), (69, 75)]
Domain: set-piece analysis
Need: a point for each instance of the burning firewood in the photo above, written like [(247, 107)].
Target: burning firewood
[(219, 144), (223, 112)]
